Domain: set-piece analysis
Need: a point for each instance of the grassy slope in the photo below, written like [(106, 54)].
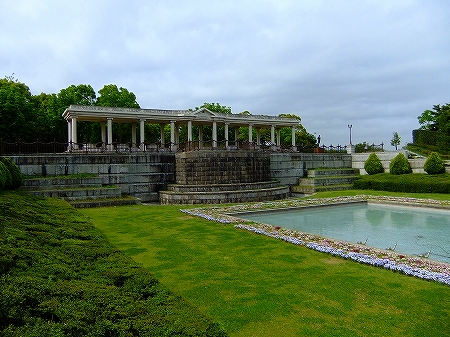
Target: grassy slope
[(257, 286), (60, 277)]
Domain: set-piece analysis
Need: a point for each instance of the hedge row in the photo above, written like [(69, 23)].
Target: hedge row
[(60, 277), (10, 175), (413, 182)]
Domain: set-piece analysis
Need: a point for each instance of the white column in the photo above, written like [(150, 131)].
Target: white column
[(103, 131), (279, 137), (226, 135), (69, 131), (74, 130), (133, 134), (189, 131), (163, 143), (173, 146), (69, 135), (200, 137), (109, 132), (272, 134), (236, 136), (293, 136), (250, 133), (214, 134), (258, 137), (142, 133)]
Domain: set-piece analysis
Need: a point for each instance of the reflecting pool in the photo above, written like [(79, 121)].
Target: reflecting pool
[(405, 229)]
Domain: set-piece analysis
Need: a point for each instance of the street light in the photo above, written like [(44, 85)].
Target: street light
[(350, 127)]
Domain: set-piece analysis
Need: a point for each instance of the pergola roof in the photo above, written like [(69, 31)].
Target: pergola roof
[(157, 116)]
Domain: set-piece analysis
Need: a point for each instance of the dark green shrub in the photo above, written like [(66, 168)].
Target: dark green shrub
[(5, 177), (411, 183), (400, 165), (434, 164), (16, 175), (373, 164)]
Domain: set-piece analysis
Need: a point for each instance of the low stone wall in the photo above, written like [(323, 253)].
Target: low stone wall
[(140, 175), (358, 160), (288, 168)]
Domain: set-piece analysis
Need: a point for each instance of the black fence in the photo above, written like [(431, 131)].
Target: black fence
[(23, 148)]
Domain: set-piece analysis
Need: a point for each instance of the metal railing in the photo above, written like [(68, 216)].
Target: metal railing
[(21, 148)]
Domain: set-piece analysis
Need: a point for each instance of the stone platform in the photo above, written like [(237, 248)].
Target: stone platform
[(223, 193), (216, 177)]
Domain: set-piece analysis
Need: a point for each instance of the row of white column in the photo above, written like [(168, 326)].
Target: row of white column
[(106, 131)]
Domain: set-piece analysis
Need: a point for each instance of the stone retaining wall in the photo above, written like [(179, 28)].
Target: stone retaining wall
[(222, 167), (288, 168), (140, 175)]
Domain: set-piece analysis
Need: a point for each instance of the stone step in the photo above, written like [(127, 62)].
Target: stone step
[(179, 188), (332, 172), (314, 189), (220, 197), (79, 193), (60, 183), (328, 180), (90, 203)]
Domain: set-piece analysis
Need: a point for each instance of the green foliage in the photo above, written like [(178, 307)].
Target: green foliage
[(60, 277), (16, 111), (396, 139), (438, 121), (215, 107), (5, 177), (434, 164), (373, 164), (400, 165), (110, 95), (16, 175), (410, 183)]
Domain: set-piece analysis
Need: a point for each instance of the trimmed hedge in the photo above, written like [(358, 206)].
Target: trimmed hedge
[(373, 164), (14, 177), (400, 165), (60, 277), (413, 183), (434, 164), (5, 177)]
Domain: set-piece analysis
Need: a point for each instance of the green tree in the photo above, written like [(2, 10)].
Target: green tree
[(215, 107), (400, 165), (437, 119), (17, 118), (434, 164), (396, 139), (373, 164), (112, 96)]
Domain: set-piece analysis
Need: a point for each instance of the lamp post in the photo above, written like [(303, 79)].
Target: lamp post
[(350, 127)]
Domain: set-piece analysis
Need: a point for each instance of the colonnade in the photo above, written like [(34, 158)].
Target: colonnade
[(107, 136)]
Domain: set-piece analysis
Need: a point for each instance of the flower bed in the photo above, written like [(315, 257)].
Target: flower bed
[(409, 265)]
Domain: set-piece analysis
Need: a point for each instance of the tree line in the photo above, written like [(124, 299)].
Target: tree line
[(28, 118), (434, 132)]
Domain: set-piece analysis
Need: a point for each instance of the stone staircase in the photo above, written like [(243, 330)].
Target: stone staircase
[(326, 180), (223, 193), (80, 192)]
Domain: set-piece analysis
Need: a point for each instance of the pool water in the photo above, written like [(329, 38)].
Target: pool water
[(407, 230)]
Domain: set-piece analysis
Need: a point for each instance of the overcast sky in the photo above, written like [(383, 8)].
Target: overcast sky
[(376, 65)]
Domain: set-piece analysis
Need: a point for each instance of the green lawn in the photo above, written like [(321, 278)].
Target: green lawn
[(257, 286)]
